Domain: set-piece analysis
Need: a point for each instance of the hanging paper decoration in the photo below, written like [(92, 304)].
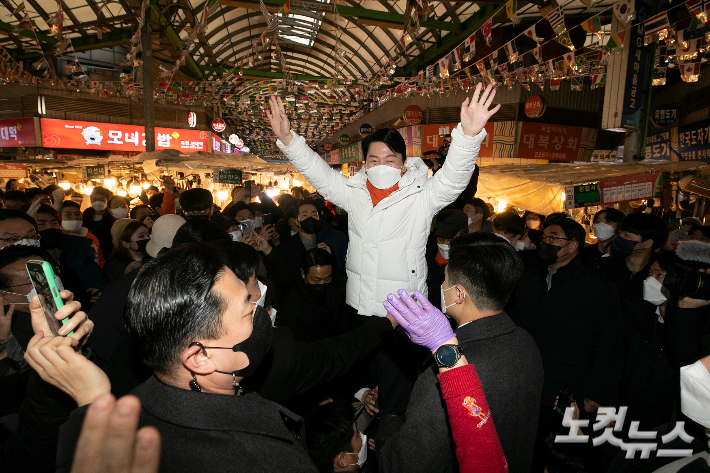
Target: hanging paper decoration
[(532, 34), (455, 59), (557, 20), (592, 25), (659, 75), (576, 85), (287, 7), (699, 9), (469, 48), (481, 66), (523, 79), (493, 59), (565, 40), (554, 84), (624, 11), (580, 61), (429, 73), (656, 25), (443, 66), (486, 31), (511, 9), (616, 41), (690, 71), (569, 59), (537, 53), (511, 51)]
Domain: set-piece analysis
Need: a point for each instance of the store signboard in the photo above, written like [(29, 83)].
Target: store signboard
[(433, 138), (665, 115), (555, 142), (16, 132), (627, 188), (114, 137), (413, 138), (11, 171), (335, 156), (350, 153), (223, 146), (228, 176), (658, 146), (694, 141), (95, 172)]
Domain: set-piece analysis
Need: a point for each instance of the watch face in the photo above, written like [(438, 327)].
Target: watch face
[(446, 355)]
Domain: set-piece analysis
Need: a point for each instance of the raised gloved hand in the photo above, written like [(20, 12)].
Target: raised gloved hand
[(425, 325)]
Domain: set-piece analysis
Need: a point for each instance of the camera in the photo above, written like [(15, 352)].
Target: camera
[(682, 281)]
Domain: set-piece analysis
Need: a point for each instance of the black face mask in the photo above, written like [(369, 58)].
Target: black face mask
[(318, 289), (310, 225), (257, 345), (548, 253), (141, 244), (50, 238)]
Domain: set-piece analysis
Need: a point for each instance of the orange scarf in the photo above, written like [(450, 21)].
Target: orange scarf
[(440, 259), (378, 194)]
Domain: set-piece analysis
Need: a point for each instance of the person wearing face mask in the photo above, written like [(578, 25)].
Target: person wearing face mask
[(605, 226), (575, 317), (72, 225), (118, 206), (196, 204), (313, 232), (130, 238), (509, 227), (333, 441), (99, 220), (478, 213), (450, 224), (633, 251), (533, 221)]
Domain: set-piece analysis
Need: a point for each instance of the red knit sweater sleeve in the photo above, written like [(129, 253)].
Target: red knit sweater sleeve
[(168, 206), (477, 446)]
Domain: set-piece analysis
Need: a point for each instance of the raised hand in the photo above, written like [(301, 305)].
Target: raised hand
[(474, 111), (276, 113), (78, 322), (425, 325)]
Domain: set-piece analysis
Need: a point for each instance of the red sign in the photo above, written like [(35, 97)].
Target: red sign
[(327, 145), (13, 171), (627, 188), (16, 132), (433, 138), (535, 106), (413, 115), (218, 144), (556, 142), (113, 137), (218, 125), (192, 120)]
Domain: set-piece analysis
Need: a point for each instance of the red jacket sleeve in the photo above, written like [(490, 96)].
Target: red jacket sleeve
[(477, 446), (168, 206)]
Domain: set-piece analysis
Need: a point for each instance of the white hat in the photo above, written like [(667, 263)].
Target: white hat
[(164, 230)]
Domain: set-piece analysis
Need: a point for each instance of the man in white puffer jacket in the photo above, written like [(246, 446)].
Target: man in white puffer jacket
[(390, 203)]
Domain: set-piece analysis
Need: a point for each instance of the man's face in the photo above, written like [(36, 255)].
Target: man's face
[(244, 214), (471, 213), (306, 211), (633, 237), (443, 241), (657, 272), (142, 212), (532, 221), (381, 154), (150, 193), (117, 204), (13, 204), (19, 283), (697, 235), (602, 219), (71, 213), (98, 198), (14, 230), (45, 221), (318, 275), (554, 235), (13, 186)]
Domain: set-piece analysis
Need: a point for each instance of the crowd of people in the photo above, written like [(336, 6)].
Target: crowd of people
[(390, 322)]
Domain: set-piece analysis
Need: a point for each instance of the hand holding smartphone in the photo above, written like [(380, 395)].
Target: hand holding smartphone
[(43, 280)]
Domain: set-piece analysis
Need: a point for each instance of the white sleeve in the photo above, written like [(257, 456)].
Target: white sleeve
[(359, 394)]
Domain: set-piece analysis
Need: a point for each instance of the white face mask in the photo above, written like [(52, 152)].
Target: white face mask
[(519, 246), (119, 213), (33, 292), (383, 176), (262, 288), (236, 235), (362, 454), (293, 233), (695, 393), (654, 292), (27, 242), (71, 225), (534, 224), (99, 205), (272, 315), (444, 250), (603, 231), (443, 301), (648, 210), (470, 221)]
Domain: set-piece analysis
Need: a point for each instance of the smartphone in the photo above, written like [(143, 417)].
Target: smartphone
[(247, 186), (42, 279), (246, 228), (267, 219)]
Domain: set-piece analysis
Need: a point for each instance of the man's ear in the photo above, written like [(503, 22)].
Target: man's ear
[(461, 294), (196, 361), (647, 244), (303, 275), (341, 461)]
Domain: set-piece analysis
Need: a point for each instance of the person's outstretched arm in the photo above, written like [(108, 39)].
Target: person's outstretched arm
[(328, 182)]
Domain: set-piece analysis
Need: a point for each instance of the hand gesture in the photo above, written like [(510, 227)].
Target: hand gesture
[(325, 247), (5, 320), (54, 359), (368, 399), (475, 113), (34, 207), (110, 441), (425, 325), (169, 184), (276, 113), (78, 322), (268, 232)]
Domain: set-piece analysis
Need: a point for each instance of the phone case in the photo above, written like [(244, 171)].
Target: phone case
[(49, 275)]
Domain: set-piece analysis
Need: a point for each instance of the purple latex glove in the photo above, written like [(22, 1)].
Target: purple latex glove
[(425, 325)]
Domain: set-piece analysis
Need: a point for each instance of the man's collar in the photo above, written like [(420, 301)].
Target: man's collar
[(484, 328)]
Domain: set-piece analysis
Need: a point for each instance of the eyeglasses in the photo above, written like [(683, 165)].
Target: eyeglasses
[(12, 240), (552, 239)]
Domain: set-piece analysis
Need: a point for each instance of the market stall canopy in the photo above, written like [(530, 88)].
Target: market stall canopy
[(201, 161), (541, 188)]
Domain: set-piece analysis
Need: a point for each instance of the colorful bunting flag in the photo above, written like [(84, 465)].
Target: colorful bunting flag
[(532, 34), (511, 9), (592, 25), (511, 51), (690, 71), (624, 11), (287, 7), (565, 40), (659, 76), (557, 20), (486, 31), (469, 48), (554, 84), (616, 40), (537, 53), (493, 59), (699, 9), (481, 66)]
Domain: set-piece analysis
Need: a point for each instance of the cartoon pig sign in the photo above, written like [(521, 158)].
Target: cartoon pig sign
[(92, 135)]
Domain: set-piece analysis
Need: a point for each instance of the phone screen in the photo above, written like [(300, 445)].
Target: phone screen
[(246, 228), (267, 219), (44, 294)]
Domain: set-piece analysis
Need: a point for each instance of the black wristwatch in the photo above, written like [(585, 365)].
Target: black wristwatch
[(447, 356)]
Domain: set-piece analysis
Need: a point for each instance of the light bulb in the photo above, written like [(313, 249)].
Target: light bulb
[(110, 181), (121, 192), (222, 194), (64, 184), (145, 185), (88, 188)]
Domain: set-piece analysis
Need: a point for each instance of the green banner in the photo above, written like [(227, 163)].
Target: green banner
[(350, 153), (95, 172), (229, 176)]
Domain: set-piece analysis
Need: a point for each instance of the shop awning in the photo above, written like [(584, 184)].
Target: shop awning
[(541, 187)]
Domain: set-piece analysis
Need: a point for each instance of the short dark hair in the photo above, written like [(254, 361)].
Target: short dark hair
[(235, 207), (12, 214), (530, 212), (329, 432), (255, 207), (296, 207), (12, 254), (242, 259), (486, 266), (32, 193), (48, 209), (573, 231), (171, 303), (9, 183), (135, 209), (557, 216), (153, 188), (509, 222), (610, 214), (196, 199), (705, 230), (156, 200), (114, 197), (101, 191), (315, 257), (389, 136), (70, 203), (480, 206), (647, 227), (17, 195), (199, 231)]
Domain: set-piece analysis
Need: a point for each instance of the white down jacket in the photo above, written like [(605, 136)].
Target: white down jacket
[(387, 242)]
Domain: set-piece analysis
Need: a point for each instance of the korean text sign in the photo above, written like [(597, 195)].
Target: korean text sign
[(694, 141), (628, 188), (433, 138), (16, 132), (556, 142), (113, 137)]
